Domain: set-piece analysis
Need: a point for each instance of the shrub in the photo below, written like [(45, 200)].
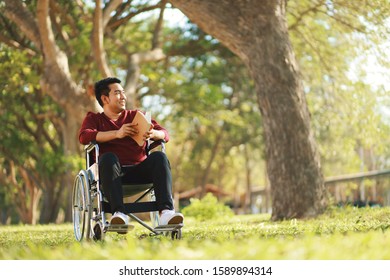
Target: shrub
[(207, 208)]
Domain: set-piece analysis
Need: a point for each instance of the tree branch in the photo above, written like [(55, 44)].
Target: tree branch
[(148, 56), (157, 30), (347, 24), (316, 51), (114, 24), (65, 16), (58, 27), (18, 13), (38, 119), (16, 45), (134, 70), (108, 9), (299, 18), (97, 41), (53, 55)]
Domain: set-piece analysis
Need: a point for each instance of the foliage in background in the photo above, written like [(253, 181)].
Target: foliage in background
[(31, 155), (207, 208), (332, 39), (341, 46)]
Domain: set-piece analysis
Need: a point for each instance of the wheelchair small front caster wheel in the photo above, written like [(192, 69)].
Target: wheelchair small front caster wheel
[(98, 233), (176, 234)]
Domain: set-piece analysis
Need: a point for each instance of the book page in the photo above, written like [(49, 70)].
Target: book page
[(143, 125)]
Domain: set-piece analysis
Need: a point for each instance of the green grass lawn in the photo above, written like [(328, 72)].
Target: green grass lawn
[(339, 234)]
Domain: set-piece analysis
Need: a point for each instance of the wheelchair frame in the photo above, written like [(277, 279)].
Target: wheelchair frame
[(90, 206)]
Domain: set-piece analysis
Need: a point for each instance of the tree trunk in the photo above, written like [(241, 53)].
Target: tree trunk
[(257, 33), (56, 79), (248, 182), (58, 82), (74, 118), (25, 193), (213, 153)]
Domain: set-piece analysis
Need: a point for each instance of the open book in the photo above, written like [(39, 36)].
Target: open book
[(144, 124)]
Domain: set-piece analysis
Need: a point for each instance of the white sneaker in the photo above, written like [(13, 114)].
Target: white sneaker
[(169, 217), (119, 219)]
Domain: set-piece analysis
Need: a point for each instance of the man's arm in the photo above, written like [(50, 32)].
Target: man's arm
[(157, 133), (126, 130), (105, 136), (89, 132)]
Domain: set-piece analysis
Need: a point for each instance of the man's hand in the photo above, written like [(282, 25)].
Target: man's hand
[(127, 129), (153, 134)]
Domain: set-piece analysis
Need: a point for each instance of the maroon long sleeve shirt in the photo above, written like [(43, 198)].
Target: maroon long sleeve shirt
[(127, 150)]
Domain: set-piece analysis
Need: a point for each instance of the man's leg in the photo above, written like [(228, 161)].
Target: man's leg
[(154, 169), (110, 177)]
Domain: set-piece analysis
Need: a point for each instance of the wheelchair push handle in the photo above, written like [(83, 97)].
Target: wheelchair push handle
[(91, 157)]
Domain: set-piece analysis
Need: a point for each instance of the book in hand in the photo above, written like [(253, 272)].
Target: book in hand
[(143, 124)]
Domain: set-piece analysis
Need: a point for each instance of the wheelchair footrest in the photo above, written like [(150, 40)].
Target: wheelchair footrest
[(169, 227), (120, 228)]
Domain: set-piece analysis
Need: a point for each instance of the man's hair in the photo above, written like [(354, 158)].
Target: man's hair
[(102, 88)]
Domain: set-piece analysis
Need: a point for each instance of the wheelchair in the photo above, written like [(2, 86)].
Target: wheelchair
[(90, 206)]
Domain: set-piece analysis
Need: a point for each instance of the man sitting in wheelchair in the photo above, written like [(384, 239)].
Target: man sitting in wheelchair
[(122, 160)]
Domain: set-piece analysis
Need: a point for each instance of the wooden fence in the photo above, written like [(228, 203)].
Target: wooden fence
[(377, 194), (357, 176), (335, 184)]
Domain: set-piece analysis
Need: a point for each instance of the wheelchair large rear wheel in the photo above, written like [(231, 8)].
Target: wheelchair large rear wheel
[(81, 202)]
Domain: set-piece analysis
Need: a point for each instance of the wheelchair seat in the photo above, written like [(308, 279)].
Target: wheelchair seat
[(90, 206)]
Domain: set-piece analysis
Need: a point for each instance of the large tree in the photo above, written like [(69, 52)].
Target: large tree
[(48, 29), (257, 32)]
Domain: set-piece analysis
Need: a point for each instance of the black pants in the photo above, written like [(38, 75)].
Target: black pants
[(154, 169)]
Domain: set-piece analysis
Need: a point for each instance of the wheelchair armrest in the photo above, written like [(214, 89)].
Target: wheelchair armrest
[(94, 147), (152, 145), (155, 144)]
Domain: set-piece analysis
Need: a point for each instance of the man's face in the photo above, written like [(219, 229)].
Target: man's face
[(116, 100)]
